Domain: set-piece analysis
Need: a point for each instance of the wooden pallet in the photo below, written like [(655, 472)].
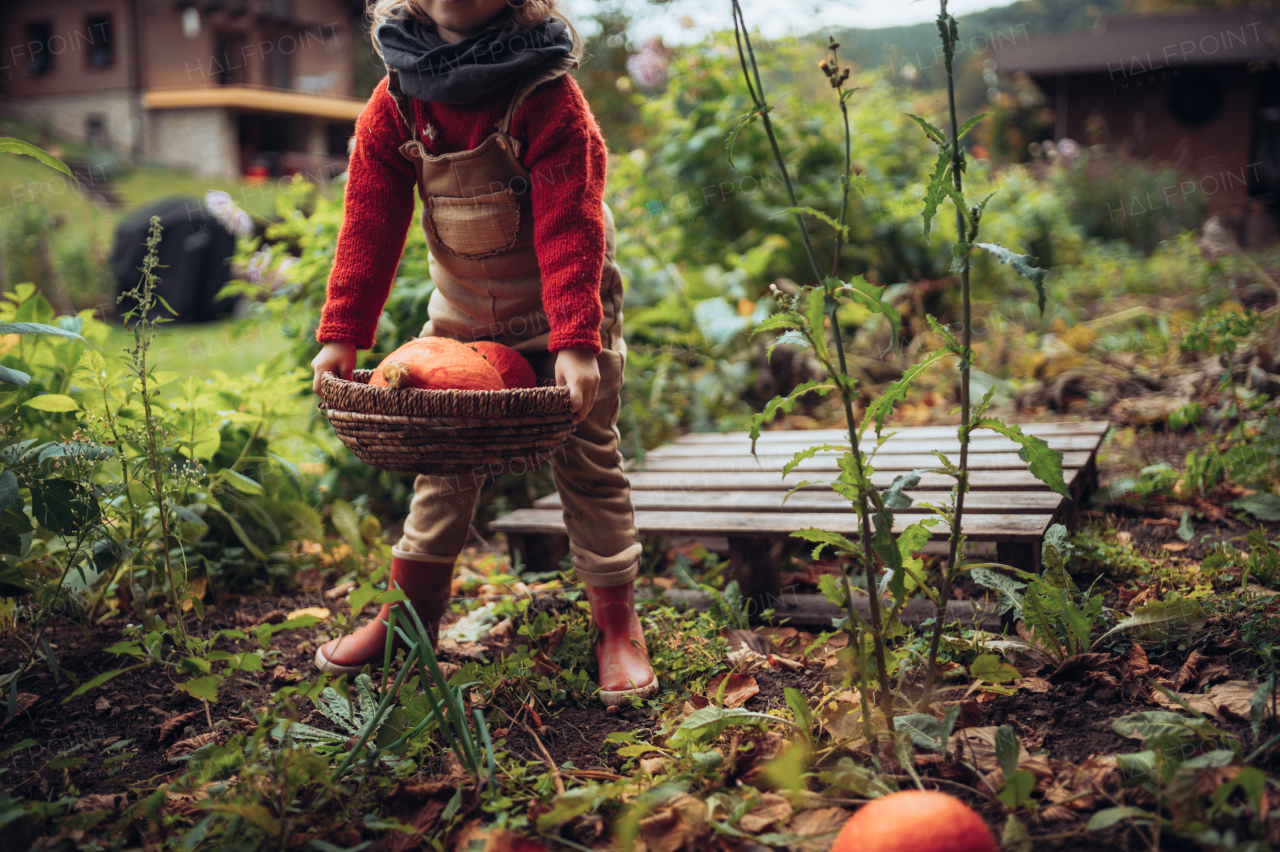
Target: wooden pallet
[(709, 485)]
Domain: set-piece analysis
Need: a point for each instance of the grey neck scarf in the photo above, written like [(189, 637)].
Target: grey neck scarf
[(431, 69)]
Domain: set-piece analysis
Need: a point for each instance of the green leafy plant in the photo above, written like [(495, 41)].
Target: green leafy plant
[(135, 492), (811, 313), (1177, 749), (1221, 333), (9, 145)]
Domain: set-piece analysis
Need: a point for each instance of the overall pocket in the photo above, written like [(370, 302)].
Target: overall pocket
[(475, 227)]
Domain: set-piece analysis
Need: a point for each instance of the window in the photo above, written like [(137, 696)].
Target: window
[(101, 37), (229, 61), (39, 36), (278, 68), (95, 131), (1195, 98)]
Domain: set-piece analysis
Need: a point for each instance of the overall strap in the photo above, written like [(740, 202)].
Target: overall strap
[(550, 72), (402, 102)]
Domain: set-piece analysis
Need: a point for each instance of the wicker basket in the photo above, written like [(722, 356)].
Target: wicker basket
[(447, 431)]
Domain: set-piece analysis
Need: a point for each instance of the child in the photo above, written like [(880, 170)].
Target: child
[(478, 111)]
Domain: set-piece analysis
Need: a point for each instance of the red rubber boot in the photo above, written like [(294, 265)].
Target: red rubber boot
[(620, 649), (427, 585)]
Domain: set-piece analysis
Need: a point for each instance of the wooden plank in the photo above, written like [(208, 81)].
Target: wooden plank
[(993, 444), (978, 502), (980, 480), (745, 463), (817, 436), (810, 610), (1000, 527)]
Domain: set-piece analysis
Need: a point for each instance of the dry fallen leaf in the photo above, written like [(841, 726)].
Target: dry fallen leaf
[(1057, 813), (476, 835), (340, 591), (1146, 595), (677, 827), (769, 811), (196, 589), (189, 745), (842, 715), (1124, 537), (1136, 661), (1209, 780), (745, 661), (738, 688), (1228, 702), (1078, 663), (977, 747), (187, 803), (109, 802), (652, 765), (170, 728), (318, 611), (1175, 546), (1189, 671), (501, 840), (1033, 684), (821, 825), (1213, 671), (738, 639), (779, 662)]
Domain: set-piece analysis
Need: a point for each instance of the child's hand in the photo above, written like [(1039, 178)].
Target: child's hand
[(578, 369), (336, 358)]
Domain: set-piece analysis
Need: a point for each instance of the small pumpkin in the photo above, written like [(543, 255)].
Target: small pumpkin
[(436, 363), (915, 821), (516, 372)]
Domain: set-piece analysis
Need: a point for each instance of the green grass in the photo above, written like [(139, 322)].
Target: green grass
[(83, 231), (233, 346)]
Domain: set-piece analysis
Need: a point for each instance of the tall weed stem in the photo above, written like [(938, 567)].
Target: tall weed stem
[(947, 28), (143, 333), (751, 72)]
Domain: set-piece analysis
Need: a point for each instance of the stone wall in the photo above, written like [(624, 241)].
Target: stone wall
[(202, 141), (69, 116)]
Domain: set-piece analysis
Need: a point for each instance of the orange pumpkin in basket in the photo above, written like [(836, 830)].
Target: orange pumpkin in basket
[(436, 363), (510, 364)]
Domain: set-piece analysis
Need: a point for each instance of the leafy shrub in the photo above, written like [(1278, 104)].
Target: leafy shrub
[(1112, 196), (124, 483)]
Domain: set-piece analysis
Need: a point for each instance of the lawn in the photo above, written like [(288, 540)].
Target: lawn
[(231, 345)]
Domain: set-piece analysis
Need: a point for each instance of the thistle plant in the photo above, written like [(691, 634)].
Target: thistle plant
[(145, 300), (1044, 462), (810, 318)]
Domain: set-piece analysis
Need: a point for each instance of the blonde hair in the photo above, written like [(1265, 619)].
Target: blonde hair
[(528, 14)]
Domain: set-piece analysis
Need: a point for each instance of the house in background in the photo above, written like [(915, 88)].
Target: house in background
[(1200, 90), (217, 87)]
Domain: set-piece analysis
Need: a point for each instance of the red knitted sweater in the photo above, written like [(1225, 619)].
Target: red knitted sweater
[(559, 134)]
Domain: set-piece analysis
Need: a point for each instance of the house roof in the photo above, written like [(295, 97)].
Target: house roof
[(1137, 44), (255, 99)]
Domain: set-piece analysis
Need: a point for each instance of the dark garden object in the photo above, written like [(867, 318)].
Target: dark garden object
[(195, 258)]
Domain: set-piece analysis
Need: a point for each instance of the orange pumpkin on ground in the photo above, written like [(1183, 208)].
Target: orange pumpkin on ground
[(516, 372), (436, 363), (915, 821)]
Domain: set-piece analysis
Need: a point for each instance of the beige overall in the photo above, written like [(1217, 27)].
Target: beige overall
[(478, 220)]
